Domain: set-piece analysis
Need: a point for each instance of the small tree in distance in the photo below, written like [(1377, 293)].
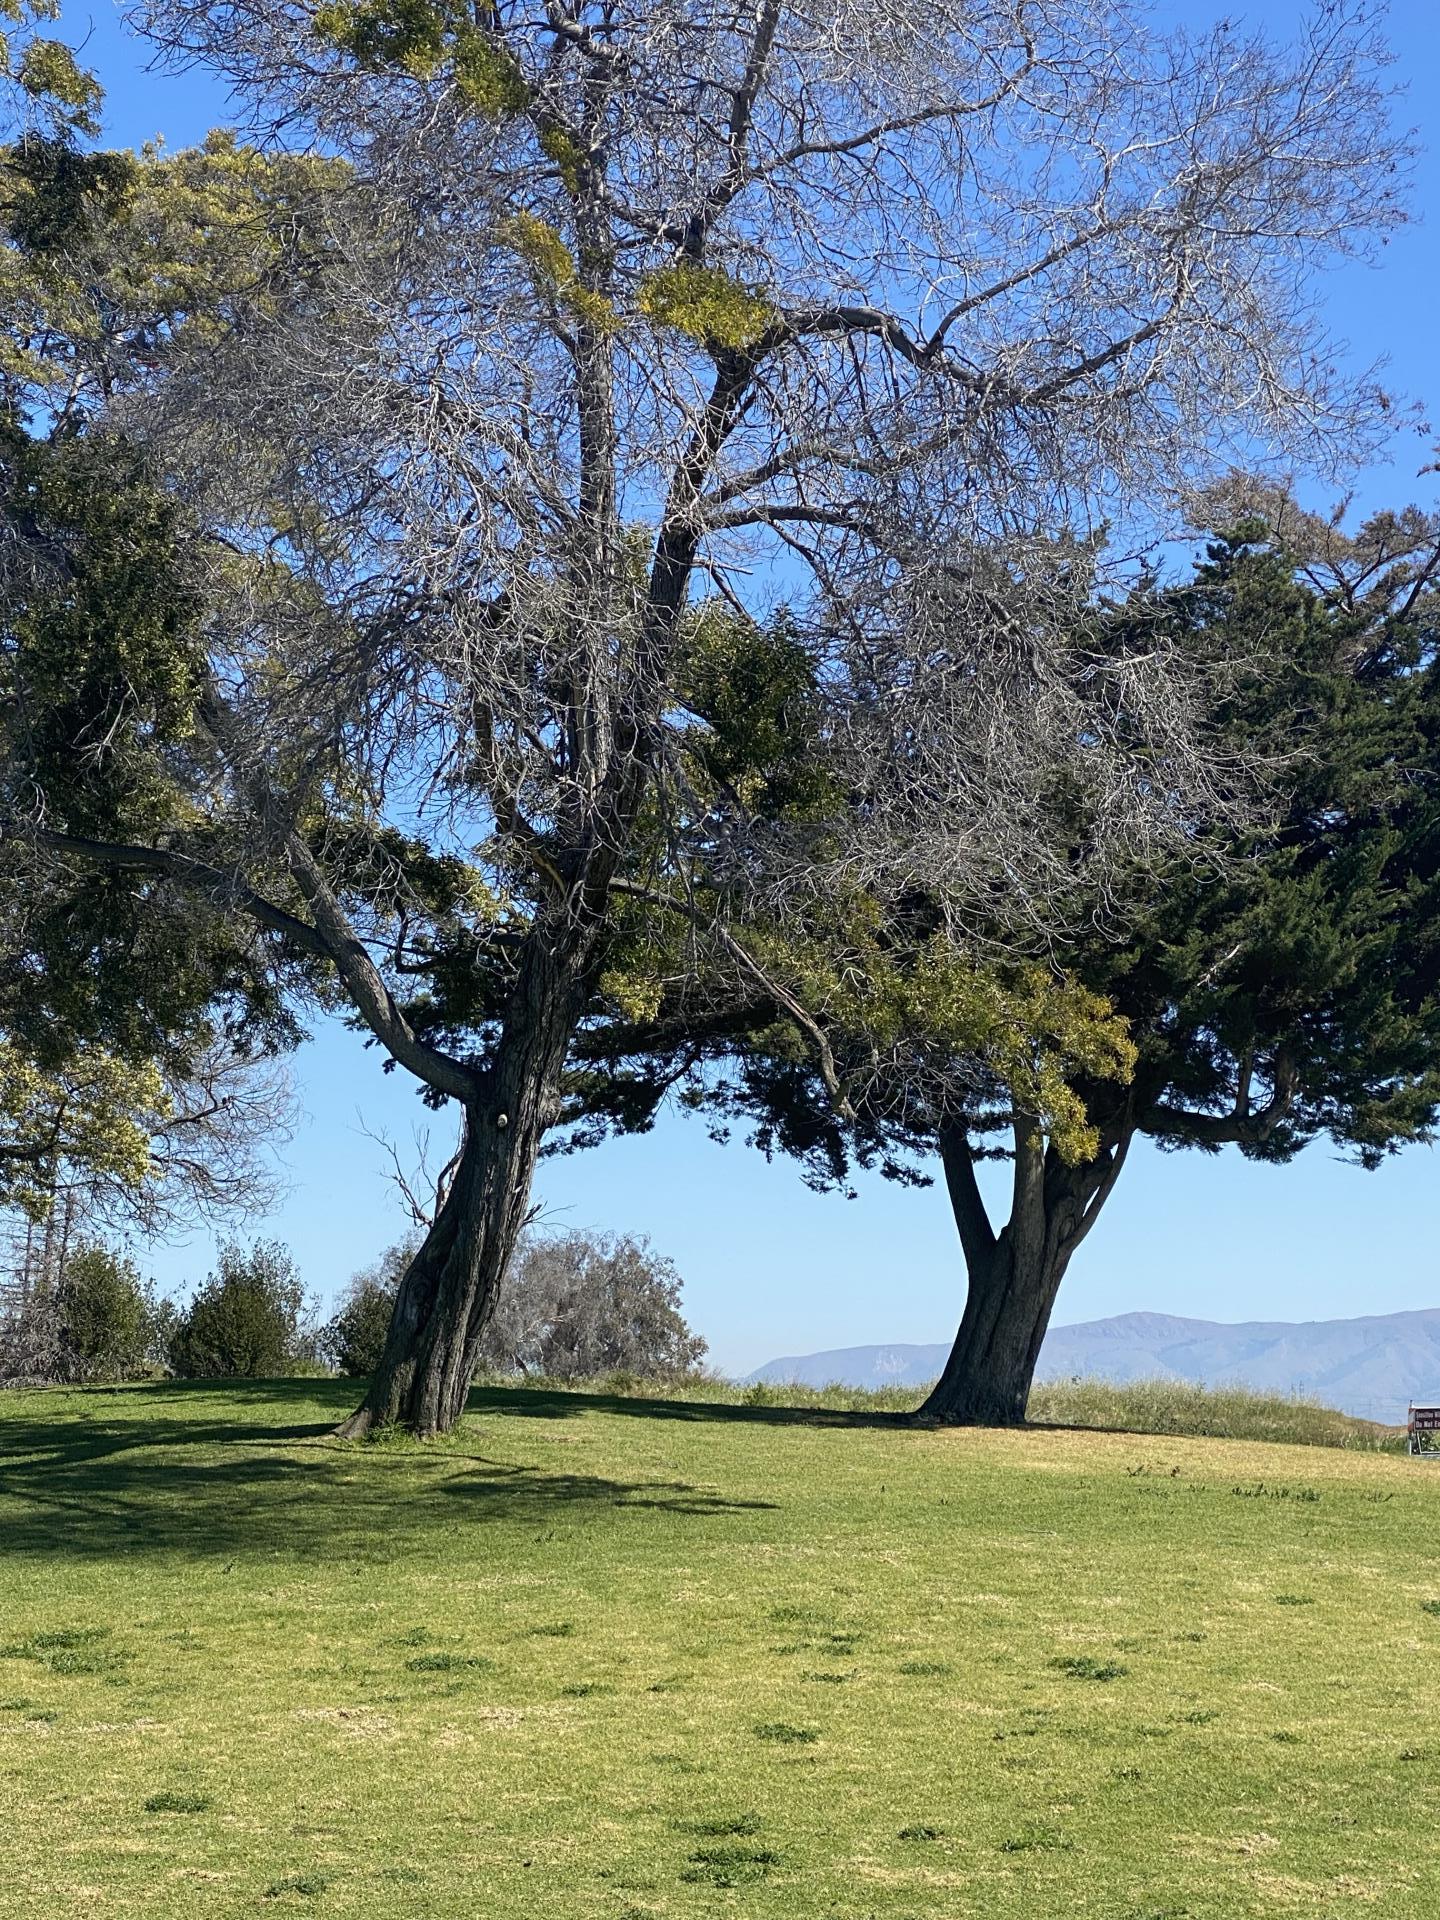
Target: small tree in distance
[(353, 1341), (249, 1318), (573, 1305), (108, 1320), (579, 1304)]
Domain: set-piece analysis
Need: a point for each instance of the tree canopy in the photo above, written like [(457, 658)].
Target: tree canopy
[(134, 1027), (504, 429), (1279, 989)]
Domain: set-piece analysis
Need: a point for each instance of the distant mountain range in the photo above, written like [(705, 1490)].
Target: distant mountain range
[(1372, 1366)]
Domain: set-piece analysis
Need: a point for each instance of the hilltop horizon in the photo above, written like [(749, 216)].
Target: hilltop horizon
[(1370, 1365)]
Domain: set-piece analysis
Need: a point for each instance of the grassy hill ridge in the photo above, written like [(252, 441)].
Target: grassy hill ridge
[(1371, 1366)]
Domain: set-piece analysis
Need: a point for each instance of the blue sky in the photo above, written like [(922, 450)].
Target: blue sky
[(771, 1268)]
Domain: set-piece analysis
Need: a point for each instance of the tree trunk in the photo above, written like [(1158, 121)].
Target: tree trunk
[(986, 1381), (1015, 1275), (449, 1290)]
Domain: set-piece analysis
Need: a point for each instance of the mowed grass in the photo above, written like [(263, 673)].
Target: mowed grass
[(606, 1656)]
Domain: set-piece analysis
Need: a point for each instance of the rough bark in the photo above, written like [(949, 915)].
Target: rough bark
[(1014, 1275), (450, 1288)]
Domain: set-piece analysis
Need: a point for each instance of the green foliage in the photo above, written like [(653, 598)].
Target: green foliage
[(93, 1111), (111, 262), (562, 147), (707, 305), (554, 268), (754, 743), (49, 71), (1038, 1031), (754, 688), (249, 1318), (110, 983), (44, 73), (114, 983), (1299, 994), (56, 189), (486, 74), (354, 1339), (420, 38), (1286, 988), (111, 1327), (403, 33), (102, 666)]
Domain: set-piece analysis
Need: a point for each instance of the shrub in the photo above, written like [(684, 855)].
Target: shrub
[(354, 1339), (248, 1319), (95, 1320), (109, 1321)]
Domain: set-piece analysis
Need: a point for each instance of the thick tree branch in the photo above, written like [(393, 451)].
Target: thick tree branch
[(366, 986), (222, 888), (331, 938), (1240, 1127), (977, 1236), (616, 1041), (1108, 1166)]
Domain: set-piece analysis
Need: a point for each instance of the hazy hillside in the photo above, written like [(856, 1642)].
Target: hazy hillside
[(1372, 1366)]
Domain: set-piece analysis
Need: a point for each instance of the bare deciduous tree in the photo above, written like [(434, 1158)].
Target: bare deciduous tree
[(608, 310)]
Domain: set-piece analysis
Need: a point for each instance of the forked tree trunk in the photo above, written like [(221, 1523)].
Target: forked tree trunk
[(987, 1378), (450, 1288), (1015, 1275)]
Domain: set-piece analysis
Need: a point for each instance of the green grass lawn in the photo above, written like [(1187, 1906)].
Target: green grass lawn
[(617, 1657)]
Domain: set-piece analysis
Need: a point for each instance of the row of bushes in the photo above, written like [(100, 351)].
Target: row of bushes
[(574, 1305), (101, 1321)]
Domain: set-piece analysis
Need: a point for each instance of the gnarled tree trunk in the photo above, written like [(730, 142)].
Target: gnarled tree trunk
[(1014, 1275), (450, 1288), (986, 1381)]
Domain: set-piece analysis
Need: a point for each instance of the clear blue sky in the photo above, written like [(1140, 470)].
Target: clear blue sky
[(771, 1268)]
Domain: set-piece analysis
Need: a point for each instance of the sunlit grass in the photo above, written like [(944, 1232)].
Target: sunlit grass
[(1157, 1406), (1228, 1413), (610, 1656)]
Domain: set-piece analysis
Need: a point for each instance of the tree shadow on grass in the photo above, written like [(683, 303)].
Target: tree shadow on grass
[(167, 1477), (327, 1401), (541, 1403)]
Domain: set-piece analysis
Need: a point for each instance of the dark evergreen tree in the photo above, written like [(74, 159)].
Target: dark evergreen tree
[(1278, 984), (248, 1319), (1287, 995)]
